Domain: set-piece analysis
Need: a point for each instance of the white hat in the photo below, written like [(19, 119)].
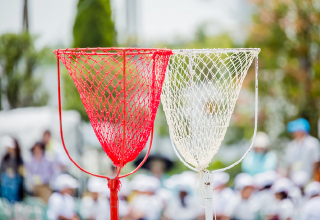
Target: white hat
[(262, 140), (300, 178), (312, 189), (64, 181), (96, 185), (8, 141), (264, 179), (144, 183), (220, 178), (282, 185), (243, 180)]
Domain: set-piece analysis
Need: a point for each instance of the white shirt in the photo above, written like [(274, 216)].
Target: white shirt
[(150, 205), (265, 199), (311, 209), (301, 155), (175, 210), (221, 198), (243, 209), (98, 210), (284, 209), (60, 205)]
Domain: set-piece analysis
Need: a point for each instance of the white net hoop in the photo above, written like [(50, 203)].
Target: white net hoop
[(199, 94)]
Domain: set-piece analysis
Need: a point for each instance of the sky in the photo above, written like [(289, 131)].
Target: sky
[(157, 21)]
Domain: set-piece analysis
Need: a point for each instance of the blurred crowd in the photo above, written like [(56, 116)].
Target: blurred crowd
[(261, 191)]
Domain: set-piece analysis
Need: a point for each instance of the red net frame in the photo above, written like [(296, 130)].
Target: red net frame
[(120, 89)]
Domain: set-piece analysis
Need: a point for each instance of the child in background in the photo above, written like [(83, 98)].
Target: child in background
[(264, 195), (222, 194), (146, 204), (283, 208), (243, 206), (311, 209), (61, 204), (96, 205)]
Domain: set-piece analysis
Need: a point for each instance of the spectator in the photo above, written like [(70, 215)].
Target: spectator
[(300, 180), (260, 159), (243, 206), (283, 208), (39, 172), (311, 209), (303, 153), (183, 206), (95, 206), (146, 204), (221, 193), (158, 165), (61, 204), (55, 152), (264, 196), (11, 171)]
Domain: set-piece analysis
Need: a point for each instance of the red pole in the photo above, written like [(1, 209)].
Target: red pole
[(114, 185)]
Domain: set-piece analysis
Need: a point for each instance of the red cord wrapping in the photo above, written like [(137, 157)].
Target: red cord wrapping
[(120, 89)]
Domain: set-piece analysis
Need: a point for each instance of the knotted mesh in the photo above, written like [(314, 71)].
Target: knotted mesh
[(120, 90), (199, 95)]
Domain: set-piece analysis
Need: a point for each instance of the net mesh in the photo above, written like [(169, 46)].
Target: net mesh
[(198, 97), (120, 90)]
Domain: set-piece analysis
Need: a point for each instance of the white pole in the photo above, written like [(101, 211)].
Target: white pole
[(208, 195)]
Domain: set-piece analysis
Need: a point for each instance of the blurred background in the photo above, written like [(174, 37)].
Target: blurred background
[(288, 33)]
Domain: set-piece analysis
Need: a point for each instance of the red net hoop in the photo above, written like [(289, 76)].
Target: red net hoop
[(120, 90)]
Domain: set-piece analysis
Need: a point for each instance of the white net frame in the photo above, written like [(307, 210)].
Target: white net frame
[(199, 94)]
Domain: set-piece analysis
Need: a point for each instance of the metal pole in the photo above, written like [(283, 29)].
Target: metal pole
[(208, 195)]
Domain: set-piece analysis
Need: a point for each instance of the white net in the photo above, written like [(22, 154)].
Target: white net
[(199, 94)]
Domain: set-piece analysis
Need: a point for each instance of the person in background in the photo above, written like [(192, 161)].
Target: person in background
[(311, 209), (11, 179), (146, 204), (264, 195), (221, 194), (158, 165), (95, 206), (182, 205), (55, 152), (243, 206), (39, 173), (260, 159), (300, 180), (61, 204), (283, 208), (303, 153)]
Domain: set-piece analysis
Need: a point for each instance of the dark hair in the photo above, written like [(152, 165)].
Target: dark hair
[(283, 195), (40, 144), (18, 158), (267, 187)]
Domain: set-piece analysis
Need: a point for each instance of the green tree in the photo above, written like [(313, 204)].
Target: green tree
[(18, 59), (288, 34), (93, 27)]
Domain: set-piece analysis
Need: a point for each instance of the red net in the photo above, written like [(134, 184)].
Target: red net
[(120, 90)]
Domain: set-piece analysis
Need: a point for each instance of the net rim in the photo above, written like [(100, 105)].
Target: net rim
[(216, 50), (109, 51)]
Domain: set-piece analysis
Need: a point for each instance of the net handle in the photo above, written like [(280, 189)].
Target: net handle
[(253, 137), (255, 122)]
